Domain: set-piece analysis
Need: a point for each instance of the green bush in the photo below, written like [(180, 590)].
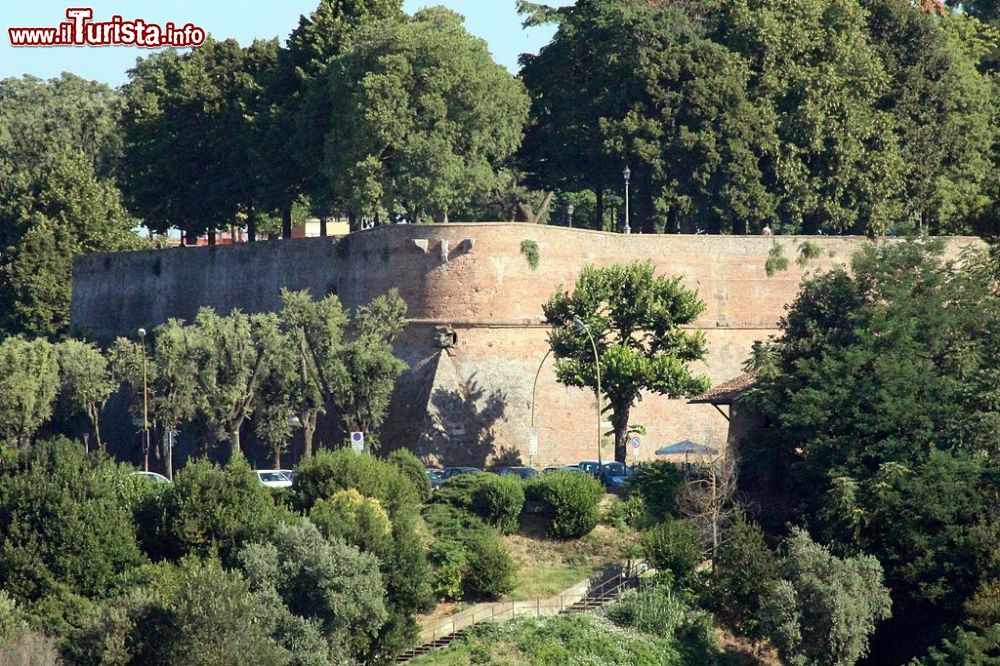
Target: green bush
[(674, 546), (823, 609), (359, 521), (661, 611), (497, 500), (329, 471), (490, 570), (569, 502), (450, 566), (328, 581), (211, 510), (965, 648), (626, 514), (412, 469), (63, 523), (657, 484), (743, 571)]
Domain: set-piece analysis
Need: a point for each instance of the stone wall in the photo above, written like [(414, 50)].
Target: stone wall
[(470, 404)]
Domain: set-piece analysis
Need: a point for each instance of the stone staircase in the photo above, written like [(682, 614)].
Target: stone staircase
[(597, 592)]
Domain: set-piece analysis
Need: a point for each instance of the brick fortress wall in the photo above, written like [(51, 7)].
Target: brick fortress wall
[(470, 404)]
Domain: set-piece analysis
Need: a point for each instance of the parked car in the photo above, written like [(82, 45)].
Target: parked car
[(290, 473), (592, 467), (273, 478), (435, 476), (452, 472), (152, 476), (613, 475), (522, 472)]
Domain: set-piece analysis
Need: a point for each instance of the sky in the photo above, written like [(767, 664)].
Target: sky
[(494, 20)]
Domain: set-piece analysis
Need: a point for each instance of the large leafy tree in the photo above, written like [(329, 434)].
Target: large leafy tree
[(189, 129), (885, 409), (59, 147), (87, 381), (635, 318), (29, 383), (425, 119)]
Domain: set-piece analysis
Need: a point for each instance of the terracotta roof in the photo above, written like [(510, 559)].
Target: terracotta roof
[(727, 392)]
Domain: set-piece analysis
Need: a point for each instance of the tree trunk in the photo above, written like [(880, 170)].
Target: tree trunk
[(234, 442), (286, 222), (190, 237), (211, 238), (252, 228), (322, 226), (94, 412), (620, 422), (276, 450), (169, 454), (308, 419), (352, 221)]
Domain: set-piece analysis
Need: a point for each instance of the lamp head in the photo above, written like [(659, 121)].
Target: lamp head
[(579, 325), (627, 173), (569, 209), (142, 332)]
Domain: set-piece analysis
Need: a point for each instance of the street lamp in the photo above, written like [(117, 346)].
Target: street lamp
[(145, 402), (583, 328), (628, 174), (569, 214)]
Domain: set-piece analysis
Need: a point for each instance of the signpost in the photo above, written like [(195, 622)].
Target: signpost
[(358, 442), (635, 448)]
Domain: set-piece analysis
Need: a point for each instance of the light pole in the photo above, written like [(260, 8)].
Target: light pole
[(534, 388), (569, 214), (628, 174), (145, 403), (583, 328)]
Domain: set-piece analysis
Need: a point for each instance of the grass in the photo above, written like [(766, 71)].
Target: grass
[(547, 566)]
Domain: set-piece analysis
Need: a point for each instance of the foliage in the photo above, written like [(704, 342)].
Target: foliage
[(743, 572), (426, 118), (965, 647), (883, 399), (676, 546), (822, 609), (635, 318), (64, 524), (630, 513), (324, 474), (328, 581), (529, 249), (569, 503), (776, 260), (497, 500), (658, 610), (490, 572), (657, 483), (29, 382), (411, 467), (86, 381), (983, 609), (357, 520), (213, 511)]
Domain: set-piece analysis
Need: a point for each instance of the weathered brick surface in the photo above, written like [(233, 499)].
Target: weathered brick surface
[(472, 404)]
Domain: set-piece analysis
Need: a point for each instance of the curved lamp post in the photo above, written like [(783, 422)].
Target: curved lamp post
[(583, 328), (534, 389)]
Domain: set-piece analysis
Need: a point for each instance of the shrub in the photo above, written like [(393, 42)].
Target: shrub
[(669, 614), (965, 648), (450, 567), (497, 500), (823, 609), (329, 471), (490, 570), (210, 509), (626, 514), (675, 546), (743, 572), (657, 484), (983, 609), (359, 521), (412, 469), (63, 523), (569, 502), (328, 581)]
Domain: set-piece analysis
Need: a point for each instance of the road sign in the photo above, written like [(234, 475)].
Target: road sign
[(636, 442), (533, 443), (358, 442)]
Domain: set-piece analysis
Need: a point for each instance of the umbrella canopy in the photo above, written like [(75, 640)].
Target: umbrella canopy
[(685, 446)]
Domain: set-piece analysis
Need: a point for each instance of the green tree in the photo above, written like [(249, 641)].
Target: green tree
[(635, 318), (325, 580), (87, 381), (822, 609), (425, 119), (66, 529), (743, 572), (29, 383)]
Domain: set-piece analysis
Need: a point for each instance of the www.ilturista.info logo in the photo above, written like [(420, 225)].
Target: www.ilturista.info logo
[(80, 30)]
